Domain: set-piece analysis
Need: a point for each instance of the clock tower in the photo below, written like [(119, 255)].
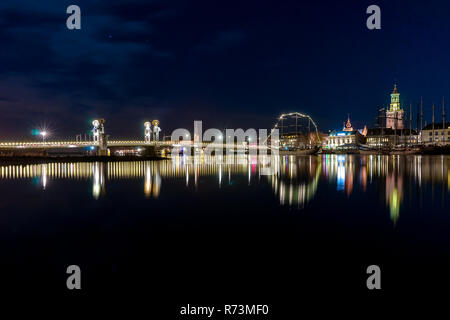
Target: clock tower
[(394, 116)]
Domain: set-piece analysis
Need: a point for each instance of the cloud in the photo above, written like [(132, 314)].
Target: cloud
[(222, 40)]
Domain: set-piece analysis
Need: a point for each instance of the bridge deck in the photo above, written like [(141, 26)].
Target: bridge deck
[(117, 143)]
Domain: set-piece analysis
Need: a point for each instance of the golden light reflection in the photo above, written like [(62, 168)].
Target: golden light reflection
[(293, 180)]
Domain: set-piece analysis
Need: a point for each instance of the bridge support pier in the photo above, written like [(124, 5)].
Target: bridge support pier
[(103, 145)]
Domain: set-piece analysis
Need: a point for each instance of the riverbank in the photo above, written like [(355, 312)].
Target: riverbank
[(49, 159), (425, 150)]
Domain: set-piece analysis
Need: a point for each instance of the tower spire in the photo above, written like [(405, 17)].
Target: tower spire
[(348, 125)]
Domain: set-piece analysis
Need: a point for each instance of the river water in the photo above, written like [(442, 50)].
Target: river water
[(195, 227)]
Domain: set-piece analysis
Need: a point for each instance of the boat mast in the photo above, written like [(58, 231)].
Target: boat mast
[(433, 122), (443, 119), (410, 119), (421, 114), (383, 123)]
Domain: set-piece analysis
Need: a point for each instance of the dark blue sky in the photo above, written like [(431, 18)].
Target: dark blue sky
[(228, 63)]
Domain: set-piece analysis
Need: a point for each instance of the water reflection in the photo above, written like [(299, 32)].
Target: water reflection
[(98, 184), (293, 180)]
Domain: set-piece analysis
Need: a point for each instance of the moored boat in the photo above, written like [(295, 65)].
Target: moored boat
[(299, 152), (405, 151), (371, 151), (366, 150)]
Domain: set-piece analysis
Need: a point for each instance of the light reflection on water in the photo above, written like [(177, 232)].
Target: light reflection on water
[(294, 180)]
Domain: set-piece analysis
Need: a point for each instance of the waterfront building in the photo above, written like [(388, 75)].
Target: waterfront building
[(347, 138), (436, 133), (291, 141), (294, 140), (390, 130), (394, 116), (388, 137)]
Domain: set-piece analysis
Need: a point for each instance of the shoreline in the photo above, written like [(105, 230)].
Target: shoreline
[(74, 159), (423, 150)]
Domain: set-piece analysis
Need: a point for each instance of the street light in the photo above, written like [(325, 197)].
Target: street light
[(43, 134)]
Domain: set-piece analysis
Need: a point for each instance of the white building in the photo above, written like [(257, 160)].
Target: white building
[(435, 134), (347, 138)]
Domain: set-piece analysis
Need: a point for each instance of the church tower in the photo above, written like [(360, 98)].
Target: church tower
[(394, 116)]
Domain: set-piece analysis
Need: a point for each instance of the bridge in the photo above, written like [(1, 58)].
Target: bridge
[(115, 143), (151, 139), (81, 144), (99, 140)]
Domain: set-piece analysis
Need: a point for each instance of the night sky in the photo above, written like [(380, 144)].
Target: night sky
[(229, 63)]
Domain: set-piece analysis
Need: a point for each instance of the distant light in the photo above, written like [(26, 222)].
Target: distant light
[(43, 133), (187, 135), (220, 137)]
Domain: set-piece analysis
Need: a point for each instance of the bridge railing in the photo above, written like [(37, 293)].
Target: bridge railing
[(46, 144), (75, 144)]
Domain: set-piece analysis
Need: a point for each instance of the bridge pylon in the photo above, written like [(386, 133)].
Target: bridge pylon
[(147, 131), (100, 136)]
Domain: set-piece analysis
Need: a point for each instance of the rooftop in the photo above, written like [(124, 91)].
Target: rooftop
[(437, 126), (342, 133), (389, 132)]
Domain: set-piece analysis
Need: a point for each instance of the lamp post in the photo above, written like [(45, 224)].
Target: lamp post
[(43, 134)]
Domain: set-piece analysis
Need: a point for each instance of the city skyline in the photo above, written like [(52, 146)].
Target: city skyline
[(36, 132), (230, 66)]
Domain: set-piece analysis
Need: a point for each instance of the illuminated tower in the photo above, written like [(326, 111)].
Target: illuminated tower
[(96, 130), (156, 130), (148, 131), (100, 137), (394, 116)]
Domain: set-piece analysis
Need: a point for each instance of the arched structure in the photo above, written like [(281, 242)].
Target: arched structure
[(297, 130)]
